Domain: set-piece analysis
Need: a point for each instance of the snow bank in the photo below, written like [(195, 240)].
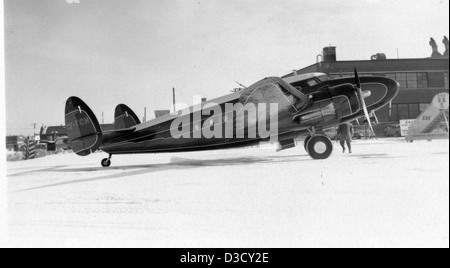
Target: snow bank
[(14, 156)]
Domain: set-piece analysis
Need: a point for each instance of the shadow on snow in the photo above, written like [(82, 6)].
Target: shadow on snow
[(176, 163)]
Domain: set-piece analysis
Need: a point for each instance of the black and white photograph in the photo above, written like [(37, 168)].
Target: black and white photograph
[(224, 124)]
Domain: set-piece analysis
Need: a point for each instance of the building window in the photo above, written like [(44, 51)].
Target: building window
[(391, 76), (422, 80), (401, 79), (423, 107), (394, 113), (403, 111), (407, 111), (446, 80), (414, 110), (411, 79), (436, 79)]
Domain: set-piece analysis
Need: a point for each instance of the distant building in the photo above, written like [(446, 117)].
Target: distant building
[(58, 134), (420, 79), (14, 142), (53, 133)]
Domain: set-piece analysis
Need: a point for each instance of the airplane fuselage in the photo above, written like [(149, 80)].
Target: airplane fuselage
[(270, 110), (332, 102)]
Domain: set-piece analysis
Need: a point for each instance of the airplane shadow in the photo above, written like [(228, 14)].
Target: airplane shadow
[(176, 163), (441, 153), (374, 156), (51, 168)]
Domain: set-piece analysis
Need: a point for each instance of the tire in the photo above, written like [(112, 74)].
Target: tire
[(305, 143), (106, 162), (319, 147)]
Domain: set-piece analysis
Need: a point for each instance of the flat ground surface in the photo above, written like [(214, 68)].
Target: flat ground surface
[(388, 193)]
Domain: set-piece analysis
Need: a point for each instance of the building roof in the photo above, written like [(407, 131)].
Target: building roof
[(389, 65), (53, 130)]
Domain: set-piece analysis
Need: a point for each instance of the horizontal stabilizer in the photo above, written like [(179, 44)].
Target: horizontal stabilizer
[(110, 135), (124, 117), (83, 129)]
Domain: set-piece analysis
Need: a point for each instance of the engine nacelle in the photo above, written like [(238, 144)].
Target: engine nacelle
[(329, 107)]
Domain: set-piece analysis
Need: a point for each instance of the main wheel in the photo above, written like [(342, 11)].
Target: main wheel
[(305, 143), (319, 147), (106, 162)]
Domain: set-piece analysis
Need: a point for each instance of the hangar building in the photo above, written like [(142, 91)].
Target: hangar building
[(420, 79)]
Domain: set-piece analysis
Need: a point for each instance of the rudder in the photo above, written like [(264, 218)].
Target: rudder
[(124, 117), (83, 129)]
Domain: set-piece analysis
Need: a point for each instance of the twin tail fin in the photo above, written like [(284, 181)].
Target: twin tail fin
[(83, 130), (124, 117)]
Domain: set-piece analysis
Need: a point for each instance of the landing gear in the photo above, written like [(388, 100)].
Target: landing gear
[(305, 143), (106, 162), (318, 146)]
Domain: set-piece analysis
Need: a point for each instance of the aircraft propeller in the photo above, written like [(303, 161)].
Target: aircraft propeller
[(362, 95)]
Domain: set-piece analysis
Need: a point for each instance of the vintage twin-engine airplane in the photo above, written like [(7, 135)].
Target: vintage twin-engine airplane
[(306, 105)]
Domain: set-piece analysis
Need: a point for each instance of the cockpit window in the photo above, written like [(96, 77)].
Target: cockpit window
[(324, 78), (292, 99), (318, 79), (312, 82)]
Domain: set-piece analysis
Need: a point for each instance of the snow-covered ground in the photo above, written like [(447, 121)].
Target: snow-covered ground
[(388, 193)]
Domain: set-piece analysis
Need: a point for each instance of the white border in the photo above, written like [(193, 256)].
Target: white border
[(3, 181)]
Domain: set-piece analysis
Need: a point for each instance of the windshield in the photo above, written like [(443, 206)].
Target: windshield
[(324, 77), (303, 84)]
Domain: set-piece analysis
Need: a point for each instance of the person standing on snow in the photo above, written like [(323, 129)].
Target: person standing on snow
[(345, 134)]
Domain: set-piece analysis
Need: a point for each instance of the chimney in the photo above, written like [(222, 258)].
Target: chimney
[(329, 54)]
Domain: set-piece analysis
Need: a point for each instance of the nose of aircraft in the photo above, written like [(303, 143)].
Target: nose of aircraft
[(382, 91), (366, 93)]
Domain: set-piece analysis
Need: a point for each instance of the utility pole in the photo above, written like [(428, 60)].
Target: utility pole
[(145, 114), (103, 118), (34, 130), (173, 93)]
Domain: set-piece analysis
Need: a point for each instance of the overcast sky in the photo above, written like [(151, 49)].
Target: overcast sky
[(126, 51)]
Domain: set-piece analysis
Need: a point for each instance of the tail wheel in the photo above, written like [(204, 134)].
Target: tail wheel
[(106, 162), (319, 147), (305, 143)]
